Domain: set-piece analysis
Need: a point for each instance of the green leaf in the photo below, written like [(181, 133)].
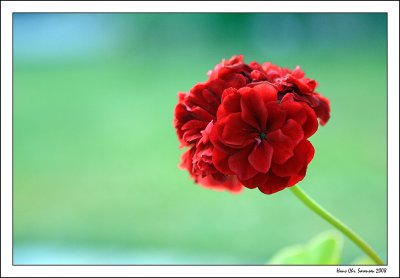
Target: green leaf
[(325, 249)]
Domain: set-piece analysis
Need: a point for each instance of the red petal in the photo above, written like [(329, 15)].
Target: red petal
[(201, 114), (273, 184), (276, 116), (298, 177), (215, 137), (323, 109), (267, 92), (234, 80), (255, 181), (260, 157), (283, 146), (236, 132), (230, 103), (220, 161), (303, 115), (294, 131), (298, 72), (303, 154), (201, 96), (194, 124), (300, 84), (181, 96), (191, 135), (294, 110), (221, 182), (253, 109), (239, 164), (310, 126), (217, 87)]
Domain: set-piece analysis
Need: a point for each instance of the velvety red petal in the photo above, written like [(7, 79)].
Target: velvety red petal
[(239, 164), (201, 96), (194, 124), (267, 92), (257, 75), (181, 115), (217, 87), (283, 146), (312, 84), (299, 83), (253, 109), (303, 154), (201, 114), (220, 161), (323, 110), (302, 114), (236, 132), (298, 177), (276, 116), (260, 157), (310, 99), (294, 110), (191, 136), (221, 182), (181, 97), (230, 103), (255, 181), (298, 72), (294, 131), (235, 80), (273, 184), (215, 137), (310, 126)]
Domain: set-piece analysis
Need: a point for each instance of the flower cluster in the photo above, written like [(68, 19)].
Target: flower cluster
[(248, 125)]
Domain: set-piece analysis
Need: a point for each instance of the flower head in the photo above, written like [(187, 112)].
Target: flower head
[(261, 140), (248, 125)]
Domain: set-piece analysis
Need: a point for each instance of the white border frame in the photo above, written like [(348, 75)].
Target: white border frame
[(8, 7)]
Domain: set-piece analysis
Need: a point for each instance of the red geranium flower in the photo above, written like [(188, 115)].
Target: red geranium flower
[(262, 140), (248, 125), (258, 134)]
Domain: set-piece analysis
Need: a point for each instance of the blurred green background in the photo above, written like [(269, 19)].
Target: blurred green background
[(95, 152)]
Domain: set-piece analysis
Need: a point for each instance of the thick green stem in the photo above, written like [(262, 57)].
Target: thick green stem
[(314, 206)]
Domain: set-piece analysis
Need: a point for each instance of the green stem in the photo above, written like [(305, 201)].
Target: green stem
[(314, 206)]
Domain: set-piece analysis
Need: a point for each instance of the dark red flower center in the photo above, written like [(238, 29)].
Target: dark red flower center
[(262, 135)]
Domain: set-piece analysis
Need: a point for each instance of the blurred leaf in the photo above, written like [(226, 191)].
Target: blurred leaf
[(325, 249), (364, 260)]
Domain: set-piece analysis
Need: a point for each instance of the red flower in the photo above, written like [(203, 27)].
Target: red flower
[(258, 135), (262, 140)]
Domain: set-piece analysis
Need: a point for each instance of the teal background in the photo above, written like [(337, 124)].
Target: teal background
[(95, 153)]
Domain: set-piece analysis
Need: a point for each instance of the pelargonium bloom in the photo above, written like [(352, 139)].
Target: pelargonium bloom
[(261, 140), (219, 120)]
